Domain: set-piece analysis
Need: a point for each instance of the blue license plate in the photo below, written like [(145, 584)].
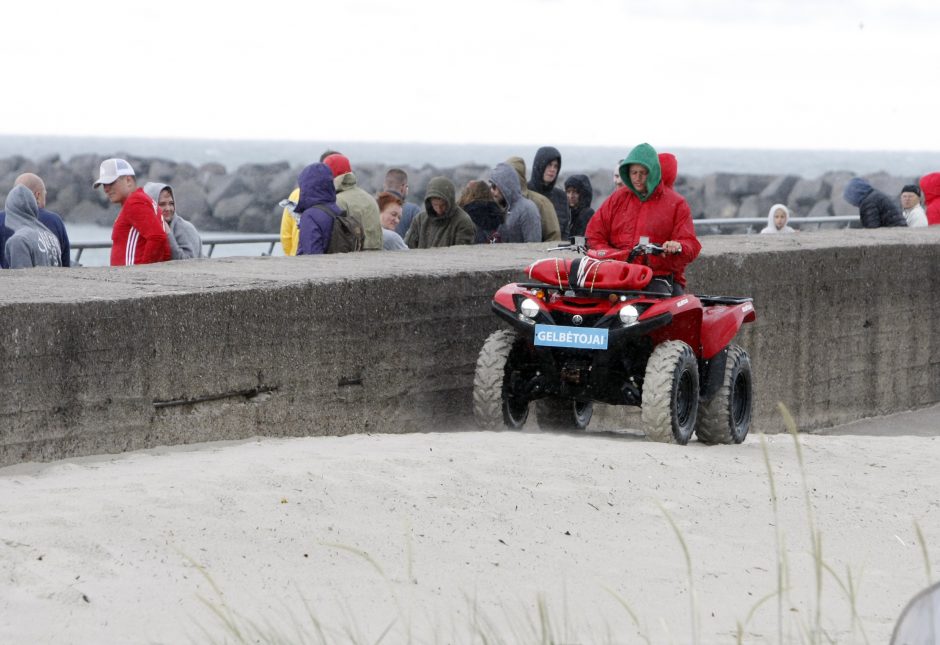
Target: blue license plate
[(573, 337)]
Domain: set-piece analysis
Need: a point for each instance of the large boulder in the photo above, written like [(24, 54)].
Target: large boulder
[(777, 191), (806, 192), (227, 187), (751, 207), (229, 210), (192, 203), (161, 171)]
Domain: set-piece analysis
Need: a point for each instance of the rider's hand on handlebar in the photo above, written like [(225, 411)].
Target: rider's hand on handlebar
[(672, 246)]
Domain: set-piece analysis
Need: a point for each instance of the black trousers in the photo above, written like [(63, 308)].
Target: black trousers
[(666, 285)]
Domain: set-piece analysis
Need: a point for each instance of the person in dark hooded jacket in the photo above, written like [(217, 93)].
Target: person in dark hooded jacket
[(442, 222), (317, 195), (580, 194), (545, 170), (875, 209), (521, 221)]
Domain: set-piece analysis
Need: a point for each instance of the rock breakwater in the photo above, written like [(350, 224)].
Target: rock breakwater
[(245, 199)]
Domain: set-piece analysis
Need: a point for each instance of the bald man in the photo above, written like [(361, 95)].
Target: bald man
[(48, 219)]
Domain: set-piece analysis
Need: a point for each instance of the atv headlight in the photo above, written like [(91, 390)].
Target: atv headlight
[(529, 308), (629, 314)]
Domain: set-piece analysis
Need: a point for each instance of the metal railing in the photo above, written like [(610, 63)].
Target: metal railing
[(271, 239), (210, 241)]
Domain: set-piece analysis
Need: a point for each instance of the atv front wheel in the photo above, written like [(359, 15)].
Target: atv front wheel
[(492, 406), (670, 393), (563, 414), (727, 417)]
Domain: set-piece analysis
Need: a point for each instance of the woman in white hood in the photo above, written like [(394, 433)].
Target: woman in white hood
[(777, 220)]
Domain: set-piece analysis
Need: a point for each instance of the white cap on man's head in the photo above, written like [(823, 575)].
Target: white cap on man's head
[(111, 169)]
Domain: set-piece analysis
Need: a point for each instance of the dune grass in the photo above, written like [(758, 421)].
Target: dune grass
[(547, 625)]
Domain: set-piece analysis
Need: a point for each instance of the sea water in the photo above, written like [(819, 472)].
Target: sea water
[(692, 161)]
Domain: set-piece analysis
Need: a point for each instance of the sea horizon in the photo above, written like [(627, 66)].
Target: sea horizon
[(692, 161)]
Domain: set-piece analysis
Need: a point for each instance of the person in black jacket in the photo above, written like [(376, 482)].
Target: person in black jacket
[(580, 193), (545, 170), (875, 209)]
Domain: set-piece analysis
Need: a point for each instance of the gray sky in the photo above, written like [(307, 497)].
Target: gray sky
[(680, 73)]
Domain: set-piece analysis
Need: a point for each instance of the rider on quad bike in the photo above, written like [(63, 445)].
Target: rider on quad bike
[(615, 327)]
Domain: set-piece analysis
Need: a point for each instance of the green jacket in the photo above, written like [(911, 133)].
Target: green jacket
[(551, 230), (646, 156), (430, 230), (361, 206)]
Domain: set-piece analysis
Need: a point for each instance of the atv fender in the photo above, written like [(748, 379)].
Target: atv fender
[(721, 323)]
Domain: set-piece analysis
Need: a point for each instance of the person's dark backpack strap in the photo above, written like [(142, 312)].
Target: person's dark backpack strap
[(347, 235)]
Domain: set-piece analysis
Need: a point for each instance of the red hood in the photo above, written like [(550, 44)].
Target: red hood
[(670, 168), (930, 185)]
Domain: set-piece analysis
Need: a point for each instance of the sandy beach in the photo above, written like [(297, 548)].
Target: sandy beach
[(450, 537)]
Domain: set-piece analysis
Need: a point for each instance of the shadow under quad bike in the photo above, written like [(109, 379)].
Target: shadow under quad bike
[(584, 330)]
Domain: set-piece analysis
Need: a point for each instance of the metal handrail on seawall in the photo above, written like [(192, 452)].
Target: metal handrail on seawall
[(207, 240), (211, 241)]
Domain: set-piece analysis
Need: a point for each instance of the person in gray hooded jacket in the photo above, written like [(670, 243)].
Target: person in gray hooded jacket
[(32, 244), (184, 239), (522, 222)]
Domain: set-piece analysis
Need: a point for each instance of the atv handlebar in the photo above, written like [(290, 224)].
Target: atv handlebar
[(579, 245), (647, 248)]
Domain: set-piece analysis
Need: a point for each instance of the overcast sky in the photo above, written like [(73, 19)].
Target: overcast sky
[(818, 74)]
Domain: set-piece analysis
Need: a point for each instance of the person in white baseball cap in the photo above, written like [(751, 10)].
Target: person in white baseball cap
[(138, 236)]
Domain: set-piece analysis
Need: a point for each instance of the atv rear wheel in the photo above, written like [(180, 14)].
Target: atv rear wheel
[(670, 393), (563, 414), (491, 406), (727, 417)]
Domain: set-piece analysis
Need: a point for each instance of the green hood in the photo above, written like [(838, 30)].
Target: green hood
[(443, 188), (646, 156)]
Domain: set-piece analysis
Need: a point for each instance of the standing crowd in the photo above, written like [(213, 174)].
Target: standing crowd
[(328, 212)]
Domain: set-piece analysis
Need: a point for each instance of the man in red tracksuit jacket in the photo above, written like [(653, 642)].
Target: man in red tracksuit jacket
[(139, 235)]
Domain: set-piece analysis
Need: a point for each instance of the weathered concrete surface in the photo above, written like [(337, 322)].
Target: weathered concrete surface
[(105, 360)]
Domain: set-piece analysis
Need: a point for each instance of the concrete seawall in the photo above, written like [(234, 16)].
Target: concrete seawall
[(108, 360)]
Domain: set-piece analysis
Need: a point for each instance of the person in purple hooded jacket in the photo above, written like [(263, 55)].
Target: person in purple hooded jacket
[(317, 195)]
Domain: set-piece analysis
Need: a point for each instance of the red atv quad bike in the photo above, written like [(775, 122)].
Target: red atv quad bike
[(584, 331)]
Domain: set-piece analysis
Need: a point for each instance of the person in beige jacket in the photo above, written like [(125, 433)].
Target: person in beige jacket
[(355, 201)]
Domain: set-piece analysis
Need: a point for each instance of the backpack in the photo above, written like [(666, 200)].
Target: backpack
[(347, 236)]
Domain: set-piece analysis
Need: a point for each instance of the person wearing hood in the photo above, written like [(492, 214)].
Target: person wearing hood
[(545, 170), (875, 209), (551, 229), (580, 195), (521, 221), (50, 220), (138, 235), (184, 239), (316, 199), (777, 219), (930, 185), (647, 208), (478, 202), (355, 201), (670, 168), (442, 222), (31, 244)]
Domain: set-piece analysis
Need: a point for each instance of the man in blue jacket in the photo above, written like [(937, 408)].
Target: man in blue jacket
[(48, 219)]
